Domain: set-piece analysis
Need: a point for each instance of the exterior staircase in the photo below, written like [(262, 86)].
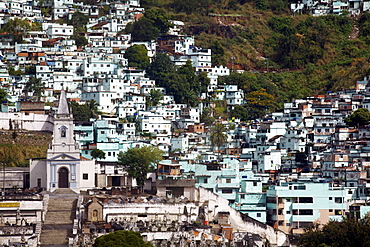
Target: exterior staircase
[(59, 218)]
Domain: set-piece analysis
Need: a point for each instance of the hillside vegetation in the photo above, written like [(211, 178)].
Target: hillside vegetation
[(289, 56), (16, 148)]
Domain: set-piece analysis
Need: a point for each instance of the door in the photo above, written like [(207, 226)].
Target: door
[(63, 178), (116, 181), (95, 215)]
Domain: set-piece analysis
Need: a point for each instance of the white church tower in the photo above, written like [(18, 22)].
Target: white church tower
[(63, 167)]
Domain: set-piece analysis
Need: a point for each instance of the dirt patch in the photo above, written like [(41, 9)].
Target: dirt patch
[(26, 138)]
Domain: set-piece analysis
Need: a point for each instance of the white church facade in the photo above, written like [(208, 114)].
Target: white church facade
[(63, 166)]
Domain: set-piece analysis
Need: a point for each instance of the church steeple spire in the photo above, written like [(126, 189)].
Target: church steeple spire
[(63, 104)]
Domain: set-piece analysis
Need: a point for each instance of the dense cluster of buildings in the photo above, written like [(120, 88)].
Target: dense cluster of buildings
[(272, 177), (319, 8)]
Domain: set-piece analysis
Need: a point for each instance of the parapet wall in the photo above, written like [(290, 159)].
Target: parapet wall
[(239, 222), (26, 121)]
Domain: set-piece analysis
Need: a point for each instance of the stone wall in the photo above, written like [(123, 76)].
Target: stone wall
[(238, 221)]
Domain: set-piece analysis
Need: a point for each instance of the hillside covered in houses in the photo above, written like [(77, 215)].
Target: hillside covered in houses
[(218, 122)]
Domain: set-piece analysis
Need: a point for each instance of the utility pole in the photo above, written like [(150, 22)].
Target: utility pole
[(3, 194), (232, 63)]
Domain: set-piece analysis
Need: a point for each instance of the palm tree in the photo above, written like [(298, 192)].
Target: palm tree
[(218, 137), (93, 107), (155, 96)]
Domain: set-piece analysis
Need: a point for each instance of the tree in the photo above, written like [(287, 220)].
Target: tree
[(184, 85), (81, 113), (359, 118), (204, 81), (78, 19), (259, 103), (217, 53), (206, 117), (98, 154), (34, 85), (150, 26), (142, 30), (139, 161), (239, 112), (192, 6), (218, 136), (30, 70), (16, 27), (301, 158), (155, 96), (159, 18), (86, 111), (92, 105), (348, 232), (262, 4), (121, 239), (3, 95), (13, 71), (79, 39), (137, 56), (160, 69)]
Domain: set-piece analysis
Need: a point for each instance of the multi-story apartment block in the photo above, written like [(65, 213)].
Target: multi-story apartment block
[(152, 123), (242, 189), (294, 206), (55, 30)]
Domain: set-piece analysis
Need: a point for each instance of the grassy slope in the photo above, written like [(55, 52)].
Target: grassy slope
[(16, 150), (246, 35)]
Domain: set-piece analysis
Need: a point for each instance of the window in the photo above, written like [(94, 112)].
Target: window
[(242, 196), (254, 183), (271, 200), (338, 212), (85, 176), (63, 131), (205, 180), (227, 191), (300, 187), (305, 212), (228, 180), (258, 214), (305, 200), (338, 200)]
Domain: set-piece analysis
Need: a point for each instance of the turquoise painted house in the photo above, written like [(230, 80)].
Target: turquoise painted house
[(227, 179)]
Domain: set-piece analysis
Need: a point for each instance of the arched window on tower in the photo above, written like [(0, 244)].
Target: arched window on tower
[(63, 131)]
